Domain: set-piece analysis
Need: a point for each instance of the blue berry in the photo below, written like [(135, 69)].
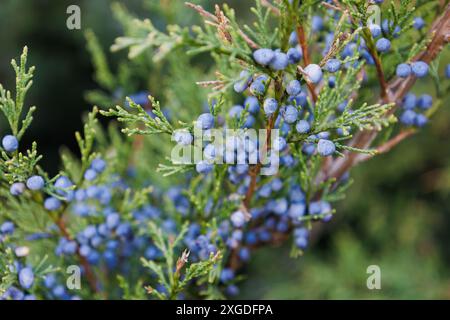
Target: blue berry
[(375, 30), (17, 188), (35, 183), (183, 137), (300, 101), (99, 165), (263, 56), (280, 61), (387, 27), (90, 175), (325, 147), (203, 167), (419, 68), (332, 82), (383, 45), (294, 55), (408, 117), (403, 70), (297, 210), (447, 71), (314, 73), (316, 23), (293, 39), (52, 204), (140, 98), (293, 88), (409, 101), (332, 65), (26, 277), (70, 247), (418, 23), (252, 104), (425, 101), (7, 227), (290, 114), (257, 87), (205, 121), (238, 219), (10, 143), (270, 106), (210, 152), (420, 120), (303, 126), (226, 275), (280, 144), (235, 112), (243, 82), (301, 243)]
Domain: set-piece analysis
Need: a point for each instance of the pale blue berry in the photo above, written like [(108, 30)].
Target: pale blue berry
[(332, 65), (293, 88), (293, 39), (252, 104), (290, 114), (183, 137), (325, 147), (408, 117), (409, 101), (26, 277), (270, 106), (205, 121), (35, 183), (10, 143), (243, 82), (303, 126), (420, 120), (316, 23), (425, 101), (17, 188), (52, 204), (447, 71), (383, 45), (263, 56), (257, 87), (99, 165), (418, 23), (294, 55), (203, 167), (375, 30), (280, 61), (112, 220), (419, 68), (238, 219), (7, 227), (90, 175), (314, 73), (403, 70)]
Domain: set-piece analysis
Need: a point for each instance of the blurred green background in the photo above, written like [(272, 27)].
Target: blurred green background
[(396, 215)]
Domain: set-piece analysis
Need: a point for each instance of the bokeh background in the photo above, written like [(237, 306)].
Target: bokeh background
[(396, 215)]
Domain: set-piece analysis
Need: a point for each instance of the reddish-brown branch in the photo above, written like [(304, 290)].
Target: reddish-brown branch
[(396, 90)]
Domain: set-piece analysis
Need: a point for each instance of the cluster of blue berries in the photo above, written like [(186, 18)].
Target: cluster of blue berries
[(412, 107), (25, 274)]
